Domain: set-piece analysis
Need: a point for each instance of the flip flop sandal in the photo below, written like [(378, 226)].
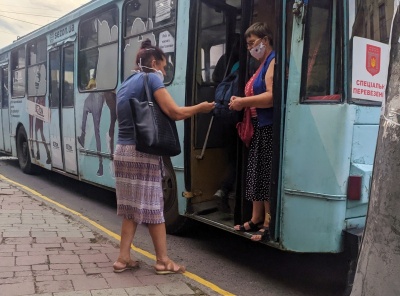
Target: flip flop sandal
[(169, 268), (129, 265), (253, 227), (264, 235)]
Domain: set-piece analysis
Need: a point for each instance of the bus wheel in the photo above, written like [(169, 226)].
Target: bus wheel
[(23, 155), (174, 222)]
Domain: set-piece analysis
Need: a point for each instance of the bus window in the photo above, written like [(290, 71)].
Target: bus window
[(4, 87), (18, 72), (37, 68), (98, 52), (370, 21), (154, 20), (322, 66), (68, 82), (54, 89)]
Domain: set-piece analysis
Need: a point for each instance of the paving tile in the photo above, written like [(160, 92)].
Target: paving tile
[(6, 274), (75, 293), (7, 248), (16, 234), (65, 266), (18, 240), (64, 259), (40, 267), (109, 292), (49, 240), (50, 272), (43, 278), (7, 261), (96, 270), (90, 284), (153, 279), (25, 288), (54, 286), (97, 258), (14, 268), (175, 288), (14, 280), (44, 234), (77, 240), (75, 271), (31, 260), (123, 281), (143, 291), (24, 273)]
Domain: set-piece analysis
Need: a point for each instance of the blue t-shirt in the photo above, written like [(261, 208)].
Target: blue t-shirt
[(133, 86)]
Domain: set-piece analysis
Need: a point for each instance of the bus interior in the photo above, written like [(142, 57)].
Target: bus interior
[(219, 27)]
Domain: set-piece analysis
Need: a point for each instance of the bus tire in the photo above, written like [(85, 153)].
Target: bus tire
[(174, 222), (24, 157)]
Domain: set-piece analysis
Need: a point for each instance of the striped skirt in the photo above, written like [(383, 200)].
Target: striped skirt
[(138, 185)]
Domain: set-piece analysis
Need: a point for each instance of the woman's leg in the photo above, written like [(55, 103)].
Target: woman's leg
[(257, 215), (159, 236), (128, 230), (260, 235)]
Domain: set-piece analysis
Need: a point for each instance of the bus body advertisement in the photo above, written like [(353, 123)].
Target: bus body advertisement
[(58, 105)]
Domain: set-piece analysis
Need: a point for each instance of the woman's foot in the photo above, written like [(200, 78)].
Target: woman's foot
[(248, 226), (262, 235), (121, 265), (168, 267)]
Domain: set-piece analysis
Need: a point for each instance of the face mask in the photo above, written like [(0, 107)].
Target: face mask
[(258, 51), (157, 72)]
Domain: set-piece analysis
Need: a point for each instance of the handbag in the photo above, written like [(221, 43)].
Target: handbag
[(245, 127), (155, 132)]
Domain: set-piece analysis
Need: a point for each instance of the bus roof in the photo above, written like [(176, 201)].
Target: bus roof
[(68, 18)]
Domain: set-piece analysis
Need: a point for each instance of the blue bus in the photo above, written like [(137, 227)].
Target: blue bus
[(58, 89)]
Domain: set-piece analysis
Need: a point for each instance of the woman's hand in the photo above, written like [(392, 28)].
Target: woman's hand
[(206, 107), (236, 103)]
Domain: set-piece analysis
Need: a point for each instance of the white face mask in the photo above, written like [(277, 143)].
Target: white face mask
[(258, 51), (157, 72)]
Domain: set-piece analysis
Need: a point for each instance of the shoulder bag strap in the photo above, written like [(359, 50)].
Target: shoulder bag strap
[(146, 88)]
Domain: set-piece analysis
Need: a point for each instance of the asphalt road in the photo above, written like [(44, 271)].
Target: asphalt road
[(231, 262)]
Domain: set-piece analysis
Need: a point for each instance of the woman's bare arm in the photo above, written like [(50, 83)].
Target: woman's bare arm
[(175, 112)]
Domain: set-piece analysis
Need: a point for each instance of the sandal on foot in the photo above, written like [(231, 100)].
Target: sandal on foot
[(252, 225), (262, 235), (128, 265), (169, 267)]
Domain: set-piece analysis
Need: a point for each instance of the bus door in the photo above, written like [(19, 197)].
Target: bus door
[(317, 130), (62, 131), (5, 137), (213, 50)]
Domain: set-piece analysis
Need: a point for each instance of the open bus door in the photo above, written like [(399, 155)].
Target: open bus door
[(5, 137), (62, 130), (214, 27)]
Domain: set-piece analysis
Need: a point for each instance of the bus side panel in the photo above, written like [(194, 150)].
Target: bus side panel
[(316, 165), (312, 224), (95, 164), (177, 90)]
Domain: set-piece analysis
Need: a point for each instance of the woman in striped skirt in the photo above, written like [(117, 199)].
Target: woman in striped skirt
[(138, 175)]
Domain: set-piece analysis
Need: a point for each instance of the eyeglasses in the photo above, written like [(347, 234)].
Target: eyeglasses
[(251, 43)]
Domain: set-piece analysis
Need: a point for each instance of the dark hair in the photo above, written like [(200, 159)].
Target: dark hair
[(260, 30), (147, 53)]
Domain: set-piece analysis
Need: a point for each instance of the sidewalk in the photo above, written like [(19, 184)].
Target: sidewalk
[(47, 252)]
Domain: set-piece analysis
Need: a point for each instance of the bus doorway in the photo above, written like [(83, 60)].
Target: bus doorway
[(5, 137), (216, 24), (62, 130)]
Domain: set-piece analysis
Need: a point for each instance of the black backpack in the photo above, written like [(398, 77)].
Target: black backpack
[(225, 90)]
